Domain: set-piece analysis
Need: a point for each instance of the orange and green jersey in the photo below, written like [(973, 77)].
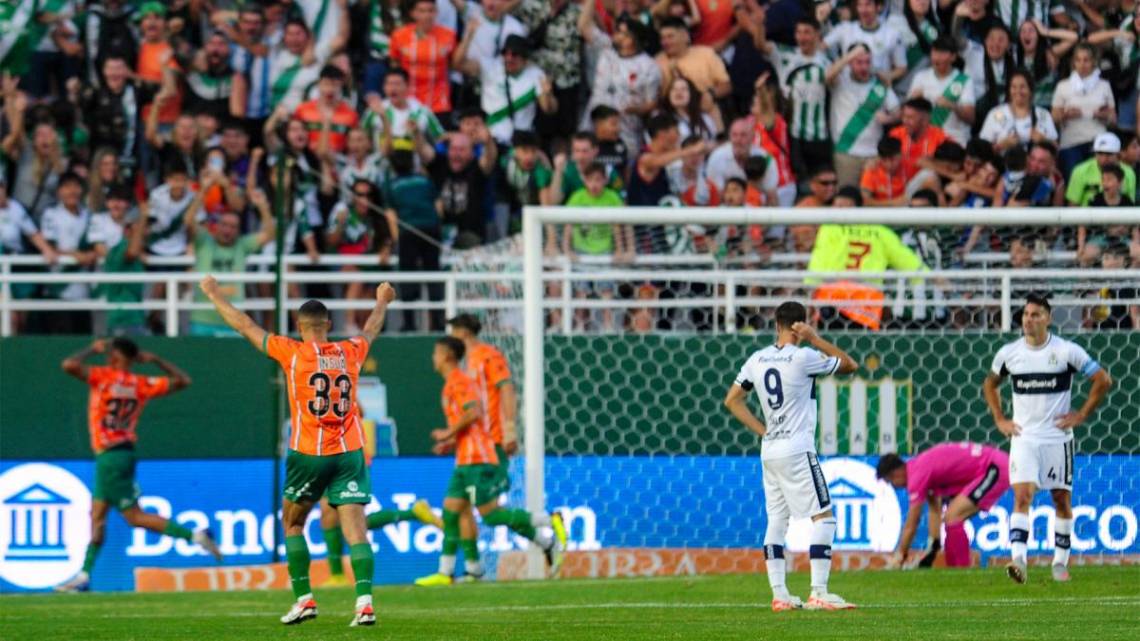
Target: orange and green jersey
[(473, 445), (116, 399), (321, 382), (489, 368)]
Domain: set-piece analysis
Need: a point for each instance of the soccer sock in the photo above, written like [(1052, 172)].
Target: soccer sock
[(177, 531), (336, 550), (471, 561), (518, 520), (384, 517), (774, 561), (362, 568), (450, 542), (89, 560), (822, 534), (1018, 536), (1062, 539), (297, 557), (957, 547)]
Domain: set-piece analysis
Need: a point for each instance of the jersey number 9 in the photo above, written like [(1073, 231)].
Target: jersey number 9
[(775, 388)]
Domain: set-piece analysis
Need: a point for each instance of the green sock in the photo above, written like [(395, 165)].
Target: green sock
[(362, 566), (470, 550), (384, 517), (297, 556), (92, 552), (450, 532), (177, 531), (336, 549), (517, 520)]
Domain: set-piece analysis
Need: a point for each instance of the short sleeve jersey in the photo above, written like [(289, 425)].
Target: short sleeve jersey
[(1042, 379), (784, 380), (947, 469), (488, 367), (474, 445), (115, 401), (321, 382)]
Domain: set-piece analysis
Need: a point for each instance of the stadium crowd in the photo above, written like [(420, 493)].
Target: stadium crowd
[(409, 128)]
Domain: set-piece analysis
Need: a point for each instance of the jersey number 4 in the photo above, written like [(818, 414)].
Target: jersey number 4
[(856, 252), (322, 395)]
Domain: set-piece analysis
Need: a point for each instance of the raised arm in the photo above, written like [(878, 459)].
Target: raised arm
[(459, 59), (179, 380), (385, 294), (234, 317), (736, 403), (805, 332), (74, 364)]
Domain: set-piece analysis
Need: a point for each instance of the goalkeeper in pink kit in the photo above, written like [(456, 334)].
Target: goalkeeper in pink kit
[(971, 476)]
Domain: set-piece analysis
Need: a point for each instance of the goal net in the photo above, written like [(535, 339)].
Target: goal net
[(625, 430)]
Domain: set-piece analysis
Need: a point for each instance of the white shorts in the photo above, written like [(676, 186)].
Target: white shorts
[(794, 486), (1049, 466)]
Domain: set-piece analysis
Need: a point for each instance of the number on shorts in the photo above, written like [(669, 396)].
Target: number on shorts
[(119, 413), (471, 494), (775, 388), (1052, 474), (322, 390), (856, 252)]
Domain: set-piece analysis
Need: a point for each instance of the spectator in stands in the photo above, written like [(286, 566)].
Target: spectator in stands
[(615, 241), (356, 227), (110, 111), (1115, 316), (883, 43), (208, 82), (649, 181), (328, 118), (511, 88), (251, 94), (1111, 185), (169, 203), (16, 227), (1083, 107), (108, 31), (625, 78), (949, 90), (884, 181), (105, 172), (462, 183), (1018, 121), (687, 178), (1085, 183), (121, 248), (1021, 252), (698, 63), (297, 63), (1043, 162), (1019, 187), (234, 142), (414, 201), (39, 162), (917, 137), (988, 62), (730, 159), (771, 134), (553, 31), (1036, 54), (492, 26), (108, 223), (612, 150), (424, 50), (65, 229), (157, 69), (694, 112), (182, 143), (568, 175), (526, 173), (398, 115), (860, 105), (823, 186)]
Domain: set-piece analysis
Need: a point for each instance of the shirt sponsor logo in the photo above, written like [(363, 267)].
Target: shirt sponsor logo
[(1042, 383)]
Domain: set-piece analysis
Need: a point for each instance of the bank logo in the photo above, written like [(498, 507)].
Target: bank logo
[(44, 525), (867, 513)]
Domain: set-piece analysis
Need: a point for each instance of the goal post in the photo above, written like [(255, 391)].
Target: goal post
[(879, 417)]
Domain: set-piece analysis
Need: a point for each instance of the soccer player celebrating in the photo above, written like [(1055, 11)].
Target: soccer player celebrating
[(478, 479), (326, 440), (1041, 367), (784, 378), (972, 476), (116, 400)]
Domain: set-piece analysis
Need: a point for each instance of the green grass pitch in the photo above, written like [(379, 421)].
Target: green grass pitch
[(1101, 603)]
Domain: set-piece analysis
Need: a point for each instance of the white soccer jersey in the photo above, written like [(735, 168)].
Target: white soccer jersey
[(524, 90), (1042, 378), (802, 81), (784, 379), (958, 88), (66, 232), (887, 50), (104, 230), (167, 235)]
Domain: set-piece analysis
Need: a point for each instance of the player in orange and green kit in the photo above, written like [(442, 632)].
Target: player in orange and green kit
[(487, 366), (114, 405), (478, 479), (326, 440)]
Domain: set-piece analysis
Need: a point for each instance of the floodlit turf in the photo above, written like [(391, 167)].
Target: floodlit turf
[(1101, 603)]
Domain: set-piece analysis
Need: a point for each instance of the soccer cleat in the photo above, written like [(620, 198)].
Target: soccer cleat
[(785, 603), (364, 616), (1016, 571), (79, 583), (557, 552), (433, 580), (422, 511), (828, 601), (336, 581), (206, 540), (470, 578), (1061, 573), (300, 612)]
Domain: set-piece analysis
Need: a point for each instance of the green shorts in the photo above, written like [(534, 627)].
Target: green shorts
[(115, 478), (478, 484), (504, 466), (342, 477)]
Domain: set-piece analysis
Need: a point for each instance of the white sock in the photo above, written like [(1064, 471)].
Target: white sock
[(777, 569), (540, 519), (1062, 533), (363, 600), (473, 568), (1018, 536), (304, 597), (822, 535), (447, 564)]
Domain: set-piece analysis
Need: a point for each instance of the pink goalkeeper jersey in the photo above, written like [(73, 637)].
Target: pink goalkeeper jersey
[(948, 469)]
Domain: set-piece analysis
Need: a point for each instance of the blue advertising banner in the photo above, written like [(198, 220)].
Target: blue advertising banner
[(619, 501)]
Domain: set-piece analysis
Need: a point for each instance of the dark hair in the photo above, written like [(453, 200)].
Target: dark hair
[(1116, 248), (314, 310), (119, 191), (755, 167), (737, 180), (1126, 136), (808, 21), (453, 345), (889, 147), (471, 112), (1016, 158), (821, 169), (950, 151), (587, 136), (658, 123), (925, 194), (692, 111), (126, 347), (1041, 300), (1023, 73), (636, 29), (469, 322), (852, 192), (601, 112), (1039, 64), (594, 168), (174, 164), (398, 71), (364, 181), (919, 103), (525, 138), (859, 45), (916, 28), (331, 72), (69, 177), (888, 462), (988, 67), (980, 149), (1046, 145), (1115, 169), (944, 43), (673, 22), (296, 22), (789, 313), (403, 162)]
